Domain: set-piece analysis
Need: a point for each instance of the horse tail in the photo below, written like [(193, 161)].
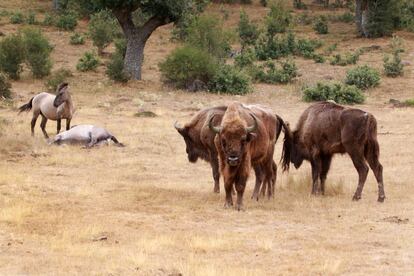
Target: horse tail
[(372, 147), (287, 145), (26, 107), (117, 143), (279, 126)]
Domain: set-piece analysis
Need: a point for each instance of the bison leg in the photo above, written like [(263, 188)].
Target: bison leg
[(326, 164), (274, 177), (316, 168), (228, 186), (216, 173), (259, 179), (58, 127), (376, 167), (43, 126), (240, 186), (362, 169)]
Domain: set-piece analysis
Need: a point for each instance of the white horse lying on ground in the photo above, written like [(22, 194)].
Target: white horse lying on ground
[(88, 135)]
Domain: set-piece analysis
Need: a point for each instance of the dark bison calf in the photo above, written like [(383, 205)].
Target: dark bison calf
[(326, 128)]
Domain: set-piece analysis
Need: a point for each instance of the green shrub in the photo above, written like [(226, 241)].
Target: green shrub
[(38, 51), (409, 102), (77, 39), (248, 32), (338, 92), (5, 86), (56, 78), (269, 73), (321, 25), (89, 61), (67, 21), (307, 47), (346, 17), (187, 64), (17, 18), (278, 19), (230, 80), (304, 18), (31, 18), (381, 19), (393, 66), (298, 4), (120, 46), (102, 29), (207, 33), (347, 59), (363, 77), (12, 55), (115, 68), (318, 58), (48, 20), (246, 58), (407, 15)]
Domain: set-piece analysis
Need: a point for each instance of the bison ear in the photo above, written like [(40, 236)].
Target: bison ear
[(251, 136)]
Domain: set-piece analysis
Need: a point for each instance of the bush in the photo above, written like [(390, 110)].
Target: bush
[(407, 15), (349, 58), (409, 102), (12, 55), (187, 64), (31, 18), (77, 39), (246, 58), (381, 18), (48, 20), (67, 21), (304, 19), (38, 51), (393, 67), (346, 17), (89, 61), (321, 25), (298, 4), (278, 19), (207, 33), (53, 81), (17, 18), (318, 58), (5, 86), (248, 32), (102, 29), (363, 77), (230, 80), (115, 68), (338, 92), (269, 73)]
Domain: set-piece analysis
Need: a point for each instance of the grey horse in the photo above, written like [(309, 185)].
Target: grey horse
[(87, 135)]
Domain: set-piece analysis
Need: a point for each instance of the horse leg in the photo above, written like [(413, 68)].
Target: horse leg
[(362, 168), (33, 123), (68, 124), (326, 164), (59, 121), (259, 179), (316, 168), (43, 126), (376, 167), (216, 173)]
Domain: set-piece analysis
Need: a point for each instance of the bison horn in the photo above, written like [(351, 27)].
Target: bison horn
[(213, 128), (254, 126), (177, 127)]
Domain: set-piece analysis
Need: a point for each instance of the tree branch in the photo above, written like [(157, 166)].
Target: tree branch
[(124, 18), (153, 23)]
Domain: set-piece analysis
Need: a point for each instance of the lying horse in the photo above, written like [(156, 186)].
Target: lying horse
[(88, 135), (51, 107)]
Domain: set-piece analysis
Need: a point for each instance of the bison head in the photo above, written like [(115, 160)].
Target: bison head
[(296, 156), (234, 137), (190, 146)]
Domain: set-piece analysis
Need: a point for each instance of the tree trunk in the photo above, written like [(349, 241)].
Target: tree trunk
[(358, 16), (134, 57)]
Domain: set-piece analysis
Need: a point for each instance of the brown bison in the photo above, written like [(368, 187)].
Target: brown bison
[(326, 128), (199, 140), (245, 138)]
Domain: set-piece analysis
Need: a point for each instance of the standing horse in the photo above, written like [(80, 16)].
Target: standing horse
[(51, 107)]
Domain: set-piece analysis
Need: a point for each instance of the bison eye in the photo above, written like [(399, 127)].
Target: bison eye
[(223, 142)]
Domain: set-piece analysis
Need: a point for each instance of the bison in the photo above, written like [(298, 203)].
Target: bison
[(245, 138), (325, 129)]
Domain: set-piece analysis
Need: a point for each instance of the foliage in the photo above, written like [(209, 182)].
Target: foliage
[(187, 64), (207, 34), (31, 18), (321, 25), (298, 4), (57, 78), (12, 55), (381, 17), (48, 20), (307, 47), (248, 32), (407, 15), (77, 39), (67, 21), (246, 58), (346, 17), (269, 73), (348, 58), (393, 66), (363, 77), (5, 86), (304, 18), (38, 51), (409, 102), (263, 3), (230, 80), (17, 18), (318, 58), (102, 29), (338, 92), (89, 61), (115, 68), (278, 19)]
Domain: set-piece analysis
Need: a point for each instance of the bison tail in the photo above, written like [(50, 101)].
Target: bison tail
[(26, 107), (287, 144), (372, 150), (117, 143)]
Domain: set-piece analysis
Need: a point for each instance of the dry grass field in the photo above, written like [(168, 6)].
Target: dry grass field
[(144, 210)]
